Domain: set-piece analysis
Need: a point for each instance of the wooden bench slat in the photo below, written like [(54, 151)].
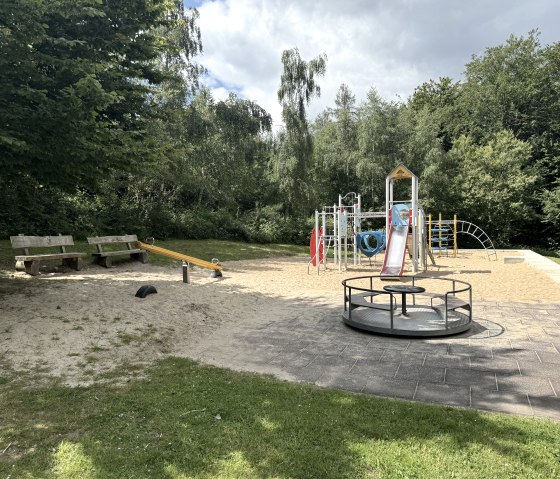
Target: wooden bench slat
[(95, 240), (117, 253), (22, 242), (39, 257)]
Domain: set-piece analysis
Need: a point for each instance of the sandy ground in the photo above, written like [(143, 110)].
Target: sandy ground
[(79, 326)]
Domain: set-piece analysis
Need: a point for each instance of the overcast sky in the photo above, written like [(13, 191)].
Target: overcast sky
[(392, 45)]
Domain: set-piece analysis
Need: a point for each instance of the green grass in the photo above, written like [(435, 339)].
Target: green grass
[(204, 249), (207, 249), (190, 421), (184, 420)]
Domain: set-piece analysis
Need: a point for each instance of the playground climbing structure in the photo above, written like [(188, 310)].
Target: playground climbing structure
[(338, 229), (443, 236)]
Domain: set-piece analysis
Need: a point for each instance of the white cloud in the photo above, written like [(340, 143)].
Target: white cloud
[(392, 45)]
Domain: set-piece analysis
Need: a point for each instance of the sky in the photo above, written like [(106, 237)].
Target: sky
[(390, 45)]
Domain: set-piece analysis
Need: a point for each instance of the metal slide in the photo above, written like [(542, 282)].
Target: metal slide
[(393, 264)]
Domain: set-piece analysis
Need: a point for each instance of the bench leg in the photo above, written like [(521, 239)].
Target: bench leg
[(142, 257), (20, 265), (105, 261), (31, 267), (74, 263)]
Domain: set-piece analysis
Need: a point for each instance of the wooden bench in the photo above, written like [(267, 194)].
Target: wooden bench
[(104, 258), (30, 263)]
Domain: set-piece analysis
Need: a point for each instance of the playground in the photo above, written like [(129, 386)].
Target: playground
[(268, 315), (490, 334)]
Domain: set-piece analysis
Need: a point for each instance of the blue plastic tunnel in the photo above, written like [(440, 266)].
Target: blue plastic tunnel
[(363, 242)]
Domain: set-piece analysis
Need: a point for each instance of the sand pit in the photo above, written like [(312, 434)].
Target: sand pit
[(79, 326)]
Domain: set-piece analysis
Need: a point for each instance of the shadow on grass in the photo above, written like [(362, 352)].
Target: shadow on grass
[(188, 420)]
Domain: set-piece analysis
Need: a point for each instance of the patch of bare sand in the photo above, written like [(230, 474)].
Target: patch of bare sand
[(81, 325)]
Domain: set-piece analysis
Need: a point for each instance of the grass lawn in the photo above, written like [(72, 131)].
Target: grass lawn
[(190, 421), (203, 249), (186, 420)]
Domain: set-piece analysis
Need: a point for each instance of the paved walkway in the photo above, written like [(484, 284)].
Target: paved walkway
[(549, 267), (509, 361)]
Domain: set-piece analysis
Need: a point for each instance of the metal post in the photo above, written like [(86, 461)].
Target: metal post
[(414, 225), (388, 202), (186, 273), (430, 232), (324, 222), (317, 241), (335, 233), (454, 236), (440, 236)]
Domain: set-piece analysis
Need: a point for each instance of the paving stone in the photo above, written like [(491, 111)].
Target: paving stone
[(473, 351), (398, 388), (429, 348), (346, 382), (500, 342), (389, 343), (527, 385), (325, 348), (506, 340), (368, 367), (538, 369), (294, 359), (447, 361), (535, 346), (343, 362), (548, 407), (496, 365), (453, 395), (551, 358), (295, 347), (307, 374), (501, 401), (422, 373), (360, 352), (519, 354), (555, 383), (553, 332), (403, 356), (471, 377)]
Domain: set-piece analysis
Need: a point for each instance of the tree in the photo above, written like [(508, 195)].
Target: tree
[(294, 150), (336, 147), (78, 82), (440, 100), (496, 182)]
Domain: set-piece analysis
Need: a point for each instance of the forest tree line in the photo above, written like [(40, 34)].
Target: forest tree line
[(106, 128)]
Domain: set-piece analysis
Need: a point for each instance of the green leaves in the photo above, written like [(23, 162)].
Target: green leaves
[(77, 76)]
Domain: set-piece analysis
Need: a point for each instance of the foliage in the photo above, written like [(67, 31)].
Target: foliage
[(76, 81), (551, 206), (495, 183), (294, 151), (105, 128)]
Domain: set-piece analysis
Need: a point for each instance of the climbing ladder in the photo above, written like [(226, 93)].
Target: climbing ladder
[(475, 231)]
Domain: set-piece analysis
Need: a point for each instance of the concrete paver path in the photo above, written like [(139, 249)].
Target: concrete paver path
[(508, 362)]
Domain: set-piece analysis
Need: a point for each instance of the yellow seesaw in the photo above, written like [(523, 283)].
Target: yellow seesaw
[(179, 256)]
